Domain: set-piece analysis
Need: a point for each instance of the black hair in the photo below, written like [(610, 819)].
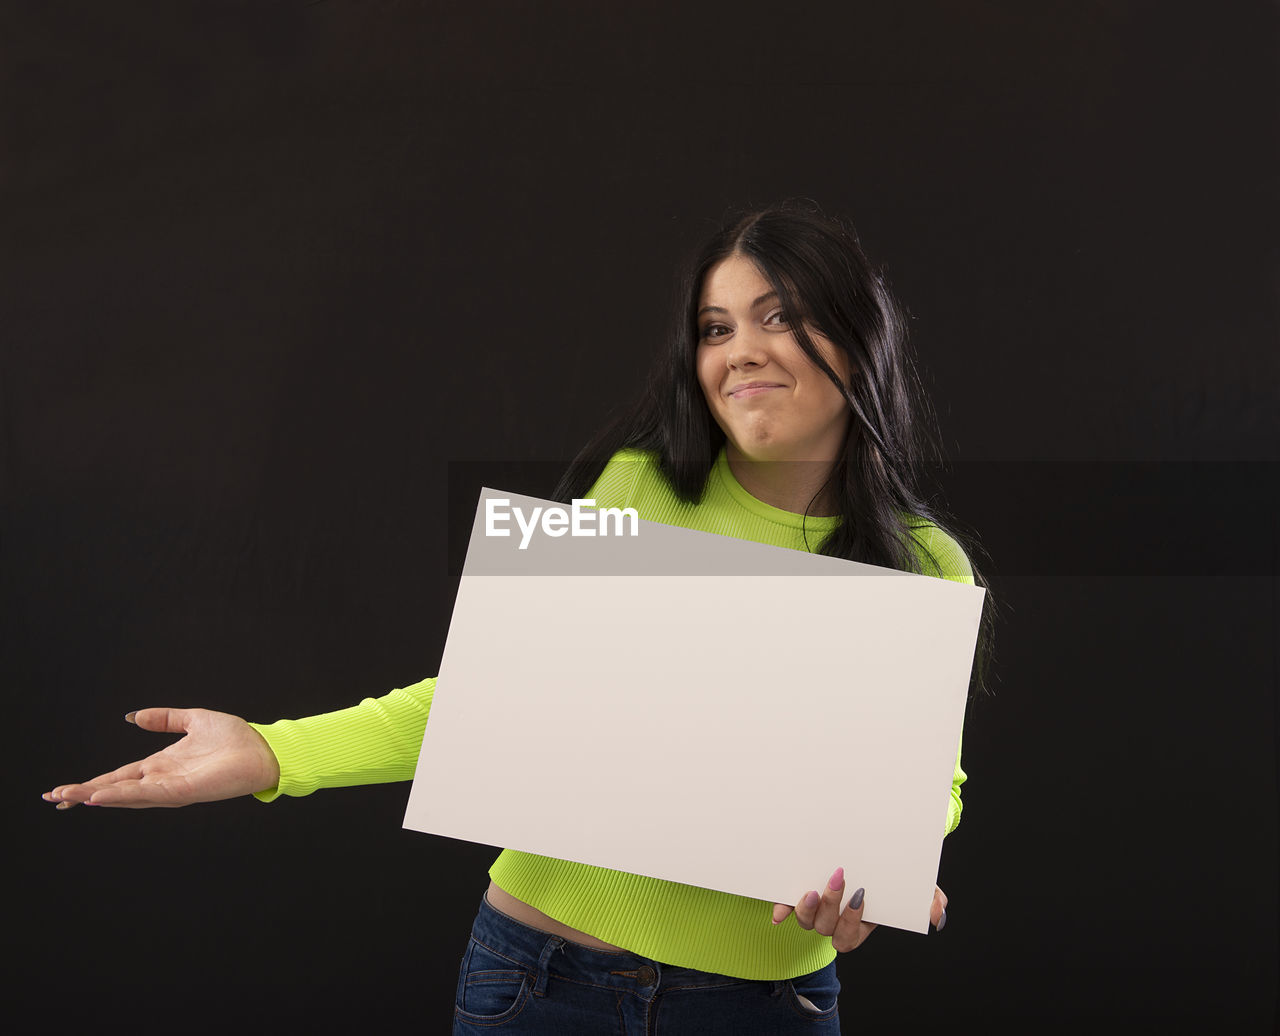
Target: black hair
[(825, 283)]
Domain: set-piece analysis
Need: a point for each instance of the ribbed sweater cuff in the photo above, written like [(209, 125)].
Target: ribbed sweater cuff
[(371, 743)]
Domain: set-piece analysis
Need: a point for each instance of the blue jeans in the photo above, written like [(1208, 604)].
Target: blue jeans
[(522, 980)]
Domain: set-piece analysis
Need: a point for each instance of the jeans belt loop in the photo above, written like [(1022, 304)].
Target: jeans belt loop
[(553, 944)]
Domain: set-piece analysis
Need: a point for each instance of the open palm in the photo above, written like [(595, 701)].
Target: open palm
[(220, 757)]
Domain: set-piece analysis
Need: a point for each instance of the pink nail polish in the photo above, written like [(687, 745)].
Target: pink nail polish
[(836, 884), (811, 900)]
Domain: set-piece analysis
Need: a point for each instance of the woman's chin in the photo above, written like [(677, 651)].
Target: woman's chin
[(766, 449)]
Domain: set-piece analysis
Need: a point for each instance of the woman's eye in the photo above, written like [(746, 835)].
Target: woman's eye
[(714, 331), (779, 317)]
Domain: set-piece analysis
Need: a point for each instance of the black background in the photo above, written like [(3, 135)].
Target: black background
[(273, 271)]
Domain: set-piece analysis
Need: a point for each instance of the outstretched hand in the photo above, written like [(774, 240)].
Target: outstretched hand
[(220, 757), (821, 912)]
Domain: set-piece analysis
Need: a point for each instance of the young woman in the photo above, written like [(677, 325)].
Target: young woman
[(786, 410)]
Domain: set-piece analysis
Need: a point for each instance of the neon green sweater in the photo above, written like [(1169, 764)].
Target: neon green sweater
[(379, 739)]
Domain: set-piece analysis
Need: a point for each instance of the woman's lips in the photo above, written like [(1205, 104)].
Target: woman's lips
[(754, 389)]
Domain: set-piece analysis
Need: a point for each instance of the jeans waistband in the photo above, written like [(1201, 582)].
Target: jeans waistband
[(541, 953)]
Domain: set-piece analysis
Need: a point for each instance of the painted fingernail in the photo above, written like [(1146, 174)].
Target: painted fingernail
[(836, 881), (942, 921), (855, 900), (129, 717), (63, 805), (812, 899)]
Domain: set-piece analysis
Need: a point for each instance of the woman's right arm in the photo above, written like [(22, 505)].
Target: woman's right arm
[(221, 756), (371, 743)]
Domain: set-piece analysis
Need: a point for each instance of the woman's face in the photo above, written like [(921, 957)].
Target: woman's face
[(763, 391)]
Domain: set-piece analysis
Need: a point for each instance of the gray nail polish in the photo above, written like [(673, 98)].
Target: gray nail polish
[(855, 900), (942, 921)]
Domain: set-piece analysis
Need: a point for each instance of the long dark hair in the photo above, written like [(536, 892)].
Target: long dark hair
[(825, 282)]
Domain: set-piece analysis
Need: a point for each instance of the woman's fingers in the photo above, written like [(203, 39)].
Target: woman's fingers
[(821, 911), (138, 793), (127, 772), (68, 795), (938, 911), (130, 785), (851, 930), (829, 905)]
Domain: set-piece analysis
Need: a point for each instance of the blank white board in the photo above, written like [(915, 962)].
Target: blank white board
[(768, 714)]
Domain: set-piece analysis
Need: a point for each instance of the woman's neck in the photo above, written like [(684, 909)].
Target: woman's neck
[(798, 486)]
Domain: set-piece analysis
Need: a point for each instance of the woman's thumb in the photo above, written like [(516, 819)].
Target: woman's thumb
[(172, 721)]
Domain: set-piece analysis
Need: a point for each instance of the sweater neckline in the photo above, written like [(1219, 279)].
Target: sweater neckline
[(815, 523)]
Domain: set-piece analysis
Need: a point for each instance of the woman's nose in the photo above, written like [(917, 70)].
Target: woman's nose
[(746, 350)]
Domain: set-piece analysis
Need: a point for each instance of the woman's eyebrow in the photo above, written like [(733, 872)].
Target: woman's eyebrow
[(766, 297)]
